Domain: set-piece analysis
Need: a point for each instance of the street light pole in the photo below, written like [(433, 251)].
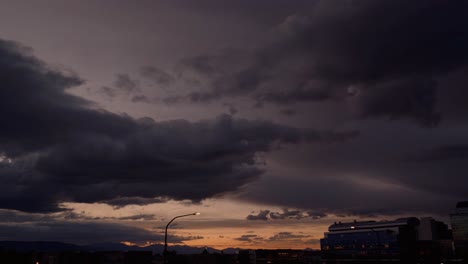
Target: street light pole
[(165, 234)]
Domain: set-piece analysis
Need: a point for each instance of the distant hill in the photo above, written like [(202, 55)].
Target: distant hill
[(51, 246), (119, 247), (43, 246), (156, 248)]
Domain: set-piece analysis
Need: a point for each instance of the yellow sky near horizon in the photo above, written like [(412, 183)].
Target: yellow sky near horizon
[(221, 224)]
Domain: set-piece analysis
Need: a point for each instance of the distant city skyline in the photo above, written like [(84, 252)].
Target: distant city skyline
[(272, 118)]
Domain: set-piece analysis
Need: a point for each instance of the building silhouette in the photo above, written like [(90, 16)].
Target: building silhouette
[(395, 239), (459, 221), (431, 229), (435, 244)]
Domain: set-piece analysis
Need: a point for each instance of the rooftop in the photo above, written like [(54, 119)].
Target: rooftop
[(338, 226)]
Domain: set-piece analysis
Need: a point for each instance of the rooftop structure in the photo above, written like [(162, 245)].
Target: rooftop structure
[(394, 239), (459, 221)]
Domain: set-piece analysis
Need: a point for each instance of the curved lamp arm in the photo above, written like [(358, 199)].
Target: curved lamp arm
[(167, 226)]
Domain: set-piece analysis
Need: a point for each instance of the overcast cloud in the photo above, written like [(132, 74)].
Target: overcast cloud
[(321, 108)]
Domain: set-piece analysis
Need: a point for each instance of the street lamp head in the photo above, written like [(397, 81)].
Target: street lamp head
[(197, 213)]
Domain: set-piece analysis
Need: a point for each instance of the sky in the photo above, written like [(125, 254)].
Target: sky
[(273, 119)]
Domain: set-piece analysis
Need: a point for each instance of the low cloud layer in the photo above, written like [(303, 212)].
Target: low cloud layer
[(262, 215), (265, 215), (280, 237), (79, 228)]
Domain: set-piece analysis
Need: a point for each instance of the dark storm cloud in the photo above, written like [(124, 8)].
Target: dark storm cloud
[(12, 216), (107, 91), (76, 232), (73, 227), (126, 84), (288, 112), (262, 215), (231, 108), (400, 192), (266, 12), (278, 237), (57, 147), (286, 214), (146, 217), (399, 98), (249, 238), (288, 236), (60, 227), (373, 61), (297, 214), (316, 214), (395, 51), (451, 102), (445, 153), (124, 201), (141, 99), (82, 232), (193, 97), (123, 86), (70, 215), (157, 75)]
